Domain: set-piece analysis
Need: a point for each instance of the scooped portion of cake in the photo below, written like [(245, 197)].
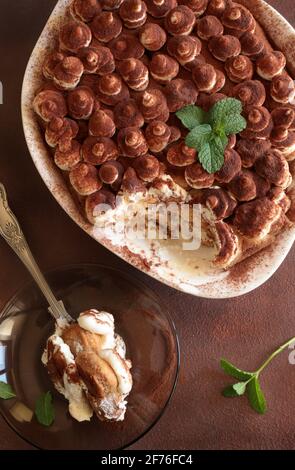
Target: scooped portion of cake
[(87, 363)]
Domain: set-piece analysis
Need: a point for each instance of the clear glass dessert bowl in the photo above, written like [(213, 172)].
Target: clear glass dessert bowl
[(140, 319)]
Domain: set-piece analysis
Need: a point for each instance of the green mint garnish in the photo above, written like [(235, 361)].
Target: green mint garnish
[(209, 131), (199, 136), (6, 391), (191, 116), (249, 381), (211, 155), (44, 409)]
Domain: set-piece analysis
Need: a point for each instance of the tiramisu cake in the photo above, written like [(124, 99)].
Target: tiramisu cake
[(87, 363), (114, 85)]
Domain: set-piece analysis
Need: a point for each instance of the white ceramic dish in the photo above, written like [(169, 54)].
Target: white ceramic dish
[(168, 265)]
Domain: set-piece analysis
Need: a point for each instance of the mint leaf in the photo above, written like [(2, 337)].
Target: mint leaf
[(6, 391), (256, 396), (223, 109), (191, 116), (235, 124), (199, 136), (229, 392), (211, 155), (224, 139), (44, 409), (233, 371), (240, 388)]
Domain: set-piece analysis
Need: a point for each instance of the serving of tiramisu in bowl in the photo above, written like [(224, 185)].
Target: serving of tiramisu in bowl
[(166, 130), (101, 382)]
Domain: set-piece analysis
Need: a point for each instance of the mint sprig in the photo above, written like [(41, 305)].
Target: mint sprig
[(249, 381), (192, 116), (44, 409), (6, 391), (209, 131)]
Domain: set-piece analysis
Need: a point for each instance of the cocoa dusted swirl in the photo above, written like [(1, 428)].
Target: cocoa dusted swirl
[(208, 79), (98, 203), (259, 123), (254, 219), (131, 142), (51, 61), (60, 131), (238, 20), (147, 167), (111, 172), (250, 150), (208, 27), (282, 89), (97, 150), (101, 124), (270, 64), (131, 183), (152, 36), (284, 116), (49, 104), (284, 140), (180, 93), (68, 72), (153, 105), (126, 46), (106, 26), (181, 155), (160, 8), (239, 68), (231, 167), (84, 179), (219, 201), (198, 178), (197, 6), (97, 59), (252, 45), (127, 114), (163, 68), (110, 89), (133, 13), (80, 102), (185, 49), (85, 10), (69, 157), (157, 135), (224, 47), (134, 73), (250, 92), (246, 186), (217, 7), (74, 35), (274, 168), (180, 21)]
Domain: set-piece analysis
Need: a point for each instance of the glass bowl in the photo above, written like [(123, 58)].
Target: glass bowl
[(151, 342)]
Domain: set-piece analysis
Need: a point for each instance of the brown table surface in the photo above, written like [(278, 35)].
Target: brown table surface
[(243, 329)]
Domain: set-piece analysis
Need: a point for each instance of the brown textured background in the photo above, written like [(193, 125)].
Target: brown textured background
[(243, 330)]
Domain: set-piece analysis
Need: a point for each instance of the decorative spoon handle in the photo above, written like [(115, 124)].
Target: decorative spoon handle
[(12, 233)]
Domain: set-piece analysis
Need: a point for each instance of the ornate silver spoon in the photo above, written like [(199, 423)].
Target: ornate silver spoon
[(12, 233)]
